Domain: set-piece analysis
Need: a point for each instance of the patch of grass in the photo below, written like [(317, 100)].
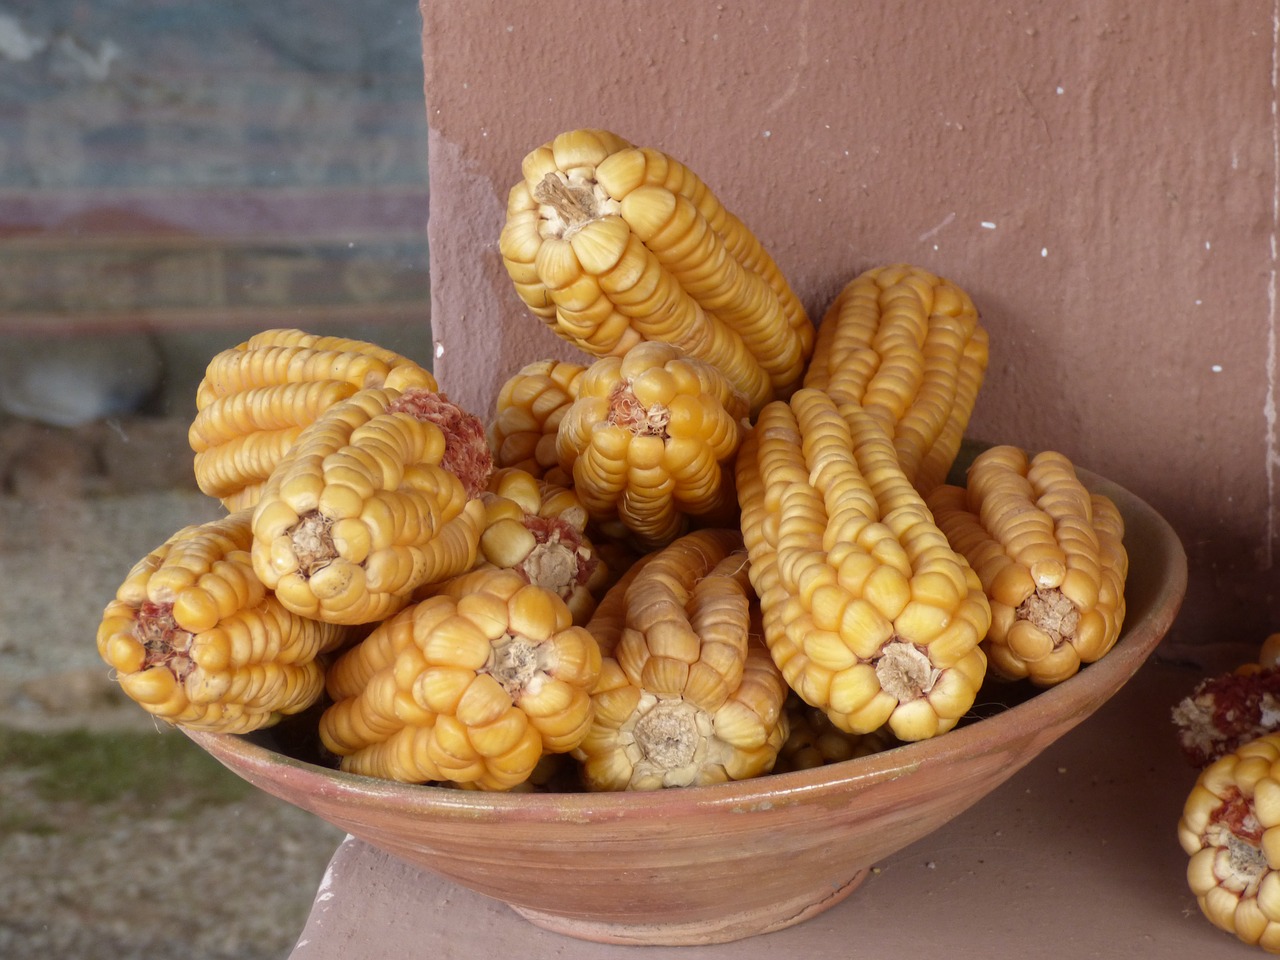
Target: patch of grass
[(98, 768)]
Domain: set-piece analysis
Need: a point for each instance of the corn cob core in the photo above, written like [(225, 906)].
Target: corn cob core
[(362, 510), (196, 640), (1230, 830), (466, 448), (685, 696), (1050, 555), (870, 614), (648, 442), (472, 685)]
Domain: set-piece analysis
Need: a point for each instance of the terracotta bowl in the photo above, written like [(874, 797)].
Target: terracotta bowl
[(719, 863)]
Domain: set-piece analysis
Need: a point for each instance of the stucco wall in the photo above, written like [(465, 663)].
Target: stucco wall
[(1100, 176)]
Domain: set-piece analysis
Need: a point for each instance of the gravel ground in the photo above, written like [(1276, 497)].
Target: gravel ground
[(209, 868)]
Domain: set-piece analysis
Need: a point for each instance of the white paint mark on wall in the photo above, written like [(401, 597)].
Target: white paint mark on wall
[(1207, 245), (439, 349), (1216, 368), (987, 225), (1044, 251), (1059, 91), (1269, 404), (936, 229), (801, 19)]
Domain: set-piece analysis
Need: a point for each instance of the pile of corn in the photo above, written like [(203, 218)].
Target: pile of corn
[(721, 544)]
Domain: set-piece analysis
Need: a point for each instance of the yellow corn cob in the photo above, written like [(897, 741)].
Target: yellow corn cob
[(814, 741), (868, 611), (527, 415), (197, 640), (376, 498), (611, 244), (688, 694), (472, 685), (909, 347), (539, 530), (1230, 830), (1050, 556), (255, 399), (648, 440)]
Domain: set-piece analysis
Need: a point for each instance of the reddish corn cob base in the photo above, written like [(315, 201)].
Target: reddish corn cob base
[(1230, 830), (1225, 712), (466, 453)]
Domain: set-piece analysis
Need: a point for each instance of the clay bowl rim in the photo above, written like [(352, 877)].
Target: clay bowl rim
[(1058, 708)]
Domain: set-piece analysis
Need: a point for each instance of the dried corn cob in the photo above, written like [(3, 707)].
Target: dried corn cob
[(196, 639), (814, 741), (909, 347), (1230, 829), (539, 530), (1226, 711), (686, 695), (255, 399), (1223, 713), (527, 415), (868, 611), (376, 498), (648, 439), (610, 245), (472, 685), (1050, 556)]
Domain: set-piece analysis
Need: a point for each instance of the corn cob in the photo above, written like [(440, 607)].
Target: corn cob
[(376, 498), (1230, 830), (610, 245), (648, 439), (1224, 712), (197, 640), (1050, 556), (910, 348), (870, 614), (814, 741), (686, 695), (530, 406), (539, 530), (472, 685), (255, 399)]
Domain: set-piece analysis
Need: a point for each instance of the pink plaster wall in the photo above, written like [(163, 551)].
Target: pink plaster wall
[(1101, 176)]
